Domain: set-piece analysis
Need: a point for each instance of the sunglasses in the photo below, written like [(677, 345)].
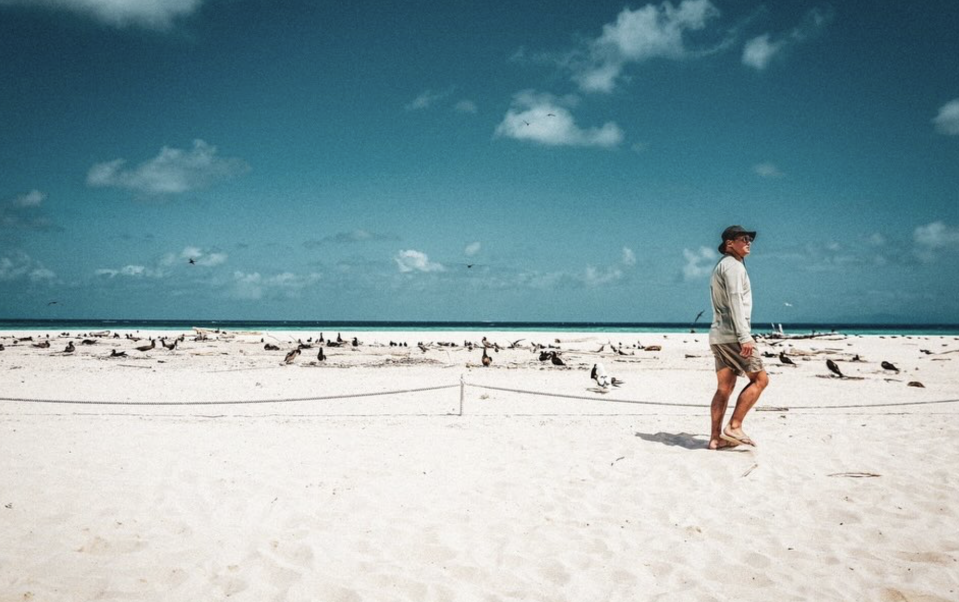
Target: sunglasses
[(744, 238)]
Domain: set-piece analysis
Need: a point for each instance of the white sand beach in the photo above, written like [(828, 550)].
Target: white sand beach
[(495, 496)]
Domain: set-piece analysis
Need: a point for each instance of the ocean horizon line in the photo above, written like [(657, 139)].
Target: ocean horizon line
[(469, 325)]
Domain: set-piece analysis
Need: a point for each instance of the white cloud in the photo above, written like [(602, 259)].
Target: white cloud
[(544, 119), (131, 271), (198, 255), (639, 35), (20, 266), (767, 170), (876, 239), (597, 277), (699, 264), (254, 286), (30, 199), (629, 258), (247, 286), (761, 50), (416, 261), (472, 249), (173, 171), (427, 99), (466, 106), (936, 235), (157, 14), (947, 121)]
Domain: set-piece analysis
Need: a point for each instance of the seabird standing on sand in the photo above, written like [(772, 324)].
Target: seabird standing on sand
[(170, 346), (291, 356), (598, 373), (889, 366), (785, 359), (320, 357), (487, 360), (70, 348), (554, 357), (834, 369), (115, 353), (271, 347), (146, 348)]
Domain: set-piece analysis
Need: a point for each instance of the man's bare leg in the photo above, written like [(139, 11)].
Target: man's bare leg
[(745, 402), (725, 383)]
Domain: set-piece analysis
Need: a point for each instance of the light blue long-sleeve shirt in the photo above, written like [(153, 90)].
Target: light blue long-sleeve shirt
[(732, 303)]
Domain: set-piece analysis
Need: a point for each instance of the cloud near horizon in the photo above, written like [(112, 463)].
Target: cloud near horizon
[(545, 119), (20, 266), (353, 236), (173, 171), (152, 14), (416, 261), (699, 263), (637, 36)]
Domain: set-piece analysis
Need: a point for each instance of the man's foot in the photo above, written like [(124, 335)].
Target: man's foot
[(715, 444), (736, 436)]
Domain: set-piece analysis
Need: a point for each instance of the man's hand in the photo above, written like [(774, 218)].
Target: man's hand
[(747, 350)]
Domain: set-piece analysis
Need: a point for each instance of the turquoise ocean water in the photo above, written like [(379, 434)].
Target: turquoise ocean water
[(618, 327)]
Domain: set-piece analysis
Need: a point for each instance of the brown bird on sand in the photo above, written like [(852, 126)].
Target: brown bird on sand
[(916, 383), (291, 356), (320, 357), (888, 366), (834, 368), (554, 357), (271, 347), (422, 347), (146, 348), (70, 348), (42, 345), (356, 342), (170, 346), (339, 339), (785, 359), (115, 353), (88, 342), (487, 360)]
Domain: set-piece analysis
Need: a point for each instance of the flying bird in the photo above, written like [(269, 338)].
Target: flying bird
[(834, 368), (698, 316), (888, 366), (785, 359), (192, 261), (551, 114), (291, 356), (53, 303)]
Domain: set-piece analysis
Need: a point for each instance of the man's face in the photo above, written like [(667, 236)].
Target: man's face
[(741, 245)]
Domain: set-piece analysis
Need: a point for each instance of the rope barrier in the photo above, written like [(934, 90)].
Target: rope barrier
[(221, 403), (461, 385), (565, 396)]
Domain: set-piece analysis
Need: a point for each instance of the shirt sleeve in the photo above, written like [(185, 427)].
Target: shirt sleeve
[(736, 288)]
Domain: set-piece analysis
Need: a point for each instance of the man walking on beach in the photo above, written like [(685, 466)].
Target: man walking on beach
[(731, 341)]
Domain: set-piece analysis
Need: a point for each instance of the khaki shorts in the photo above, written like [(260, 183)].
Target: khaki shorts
[(728, 356)]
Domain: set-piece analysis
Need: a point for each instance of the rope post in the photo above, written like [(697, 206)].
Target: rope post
[(462, 392)]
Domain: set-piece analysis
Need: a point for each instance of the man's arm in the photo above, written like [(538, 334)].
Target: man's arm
[(735, 288)]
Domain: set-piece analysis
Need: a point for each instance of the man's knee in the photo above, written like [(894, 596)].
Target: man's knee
[(759, 379)]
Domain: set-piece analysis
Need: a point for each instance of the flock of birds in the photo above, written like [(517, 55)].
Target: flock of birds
[(544, 353)]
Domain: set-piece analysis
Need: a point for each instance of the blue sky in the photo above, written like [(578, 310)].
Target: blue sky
[(349, 162)]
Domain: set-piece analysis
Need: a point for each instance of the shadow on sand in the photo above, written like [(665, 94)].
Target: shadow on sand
[(684, 440)]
